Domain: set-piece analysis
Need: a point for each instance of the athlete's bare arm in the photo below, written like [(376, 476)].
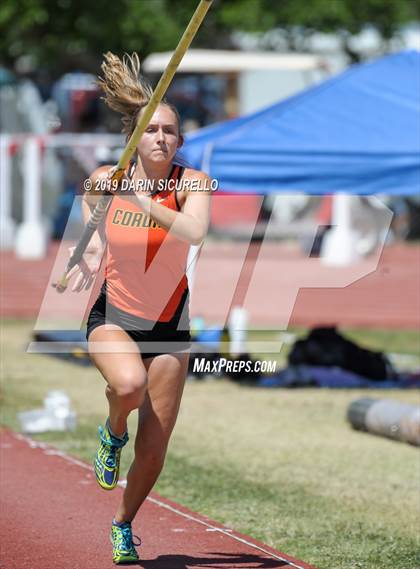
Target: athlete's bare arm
[(191, 223), (89, 201), (89, 266)]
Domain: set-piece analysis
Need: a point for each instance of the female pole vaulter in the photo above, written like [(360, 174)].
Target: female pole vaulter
[(144, 299)]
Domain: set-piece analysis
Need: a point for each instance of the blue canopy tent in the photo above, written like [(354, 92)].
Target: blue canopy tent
[(358, 133)]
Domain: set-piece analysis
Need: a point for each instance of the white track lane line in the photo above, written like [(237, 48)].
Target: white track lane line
[(224, 531), (48, 450)]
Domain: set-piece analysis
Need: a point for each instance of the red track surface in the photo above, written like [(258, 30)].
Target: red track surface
[(54, 516), (388, 297)]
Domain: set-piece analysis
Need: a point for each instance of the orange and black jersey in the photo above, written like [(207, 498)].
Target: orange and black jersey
[(146, 264)]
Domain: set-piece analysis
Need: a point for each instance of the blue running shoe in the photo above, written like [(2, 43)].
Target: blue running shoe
[(107, 459), (123, 548)]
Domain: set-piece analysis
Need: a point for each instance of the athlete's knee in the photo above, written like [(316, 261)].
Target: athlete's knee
[(129, 390)]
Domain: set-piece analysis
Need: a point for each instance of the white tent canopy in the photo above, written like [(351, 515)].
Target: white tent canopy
[(224, 61)]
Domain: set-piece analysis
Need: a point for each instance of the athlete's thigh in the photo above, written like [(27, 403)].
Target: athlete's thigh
[(166, 379), (116, 356)]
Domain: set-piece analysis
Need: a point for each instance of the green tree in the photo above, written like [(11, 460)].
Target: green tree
[(73, 34), (299, 19)]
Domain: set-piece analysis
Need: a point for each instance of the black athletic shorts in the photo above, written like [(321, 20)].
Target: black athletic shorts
[(152, 338)]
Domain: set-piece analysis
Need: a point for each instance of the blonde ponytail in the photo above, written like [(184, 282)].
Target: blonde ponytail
[(125, 90)]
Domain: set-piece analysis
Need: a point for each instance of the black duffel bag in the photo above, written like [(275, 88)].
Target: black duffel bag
[(327, 347)]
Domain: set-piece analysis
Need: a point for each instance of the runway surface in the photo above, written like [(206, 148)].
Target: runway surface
[(55, 516)]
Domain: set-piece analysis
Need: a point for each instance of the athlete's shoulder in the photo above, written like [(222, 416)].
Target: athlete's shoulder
[(193, 174), (196, 180), (94, 190), (101, 172)]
